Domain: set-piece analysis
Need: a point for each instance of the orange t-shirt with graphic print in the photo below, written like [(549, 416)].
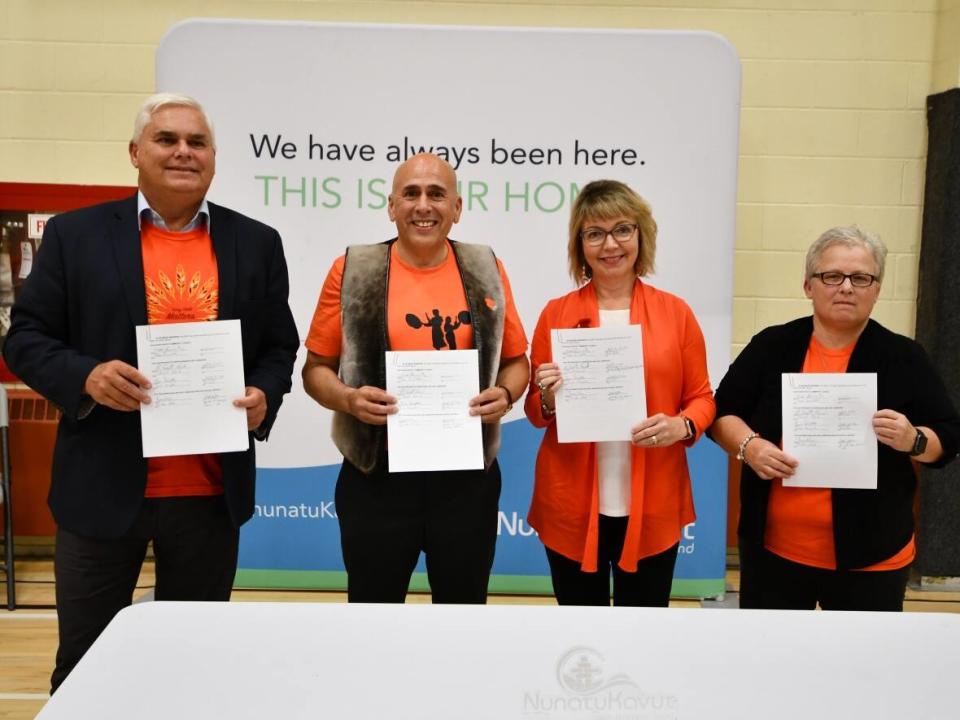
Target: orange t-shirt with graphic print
[(426, 309), (800, 520), (180, 276)]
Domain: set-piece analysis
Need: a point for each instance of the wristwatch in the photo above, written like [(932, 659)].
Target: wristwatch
[(919, 444), (691, 430)]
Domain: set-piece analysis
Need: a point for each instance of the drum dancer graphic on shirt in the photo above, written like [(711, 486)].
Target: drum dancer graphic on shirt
[(443, 328)]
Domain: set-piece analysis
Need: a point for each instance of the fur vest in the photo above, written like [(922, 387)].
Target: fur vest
[(363, 311)]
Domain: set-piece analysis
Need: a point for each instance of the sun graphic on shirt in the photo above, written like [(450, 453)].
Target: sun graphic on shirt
[(176, 300)]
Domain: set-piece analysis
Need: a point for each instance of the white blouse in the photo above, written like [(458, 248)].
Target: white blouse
[(613, 458)]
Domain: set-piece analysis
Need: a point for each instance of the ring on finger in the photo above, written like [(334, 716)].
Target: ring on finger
[(654, 438), (540, 385)]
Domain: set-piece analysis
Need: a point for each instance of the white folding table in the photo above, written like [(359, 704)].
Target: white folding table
[(422, 662)]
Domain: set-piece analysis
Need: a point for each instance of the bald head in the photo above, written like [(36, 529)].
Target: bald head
[(425, 162), (424, 202)]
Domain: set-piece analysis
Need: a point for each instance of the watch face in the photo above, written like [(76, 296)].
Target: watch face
[(920, 444)]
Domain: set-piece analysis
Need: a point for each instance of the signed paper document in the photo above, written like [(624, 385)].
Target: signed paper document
[(196, 370), (828, 428), (603, 393), (432, 428)]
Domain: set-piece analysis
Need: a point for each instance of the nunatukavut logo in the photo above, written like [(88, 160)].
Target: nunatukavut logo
[(589, 690)]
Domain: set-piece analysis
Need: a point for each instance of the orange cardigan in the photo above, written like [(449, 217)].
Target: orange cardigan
[(564, 509)]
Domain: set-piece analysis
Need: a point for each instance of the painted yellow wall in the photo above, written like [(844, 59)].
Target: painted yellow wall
[(832, 128), (946, 56)]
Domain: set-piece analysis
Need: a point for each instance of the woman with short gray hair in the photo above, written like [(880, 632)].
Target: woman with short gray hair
[(844, 549)]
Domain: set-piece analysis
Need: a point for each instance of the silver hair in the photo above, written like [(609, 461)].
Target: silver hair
[(161, 100), (848, 236)]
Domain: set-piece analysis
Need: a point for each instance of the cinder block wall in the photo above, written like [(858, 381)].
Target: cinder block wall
[(832, 129), (946, 58)]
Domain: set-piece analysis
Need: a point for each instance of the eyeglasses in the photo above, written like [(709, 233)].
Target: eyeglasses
[(597, 236), (834, 278)]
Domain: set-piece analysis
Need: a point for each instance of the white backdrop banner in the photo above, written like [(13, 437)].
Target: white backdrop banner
[(311, 122)]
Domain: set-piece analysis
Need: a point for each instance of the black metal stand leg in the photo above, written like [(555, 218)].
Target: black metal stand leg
[(7, 506)]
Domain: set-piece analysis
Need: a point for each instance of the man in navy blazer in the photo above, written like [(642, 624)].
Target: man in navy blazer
[(163, 255)]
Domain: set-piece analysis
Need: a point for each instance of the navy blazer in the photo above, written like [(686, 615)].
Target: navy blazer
[(79, 307), (869, 526)]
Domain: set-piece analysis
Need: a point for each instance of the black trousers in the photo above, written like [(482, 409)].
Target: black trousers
[(649, 586), (388, 519), (771, 582), (195, 545)]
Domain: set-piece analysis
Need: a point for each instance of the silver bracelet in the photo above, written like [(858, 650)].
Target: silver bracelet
[(743, 447)]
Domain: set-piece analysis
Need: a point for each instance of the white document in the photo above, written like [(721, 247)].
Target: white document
[(432, 428), (603, 394), (196, 370), (828, 428), (26, 259)]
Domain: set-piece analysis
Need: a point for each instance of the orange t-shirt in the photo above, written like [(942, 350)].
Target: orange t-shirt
[(180, 276), (800, 520), (426, 309)]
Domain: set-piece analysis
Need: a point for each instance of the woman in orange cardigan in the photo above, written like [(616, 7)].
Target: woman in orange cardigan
[(618, 506)]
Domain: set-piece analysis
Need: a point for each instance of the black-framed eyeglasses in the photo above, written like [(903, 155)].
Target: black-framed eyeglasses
[(622, 233), (834, 278)]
